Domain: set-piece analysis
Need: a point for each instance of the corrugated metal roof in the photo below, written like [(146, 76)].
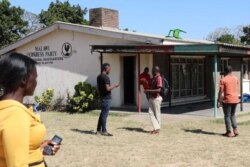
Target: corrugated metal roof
[(192, 49), (233, 45), (102, 31)]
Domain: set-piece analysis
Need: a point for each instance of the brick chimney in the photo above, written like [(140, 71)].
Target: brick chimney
[(103, 17)]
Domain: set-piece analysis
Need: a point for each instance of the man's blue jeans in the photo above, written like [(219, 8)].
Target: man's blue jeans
[(105, 106), (229, 115)]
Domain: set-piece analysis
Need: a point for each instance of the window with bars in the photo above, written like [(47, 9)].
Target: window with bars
[(187, 77), (245, 69)]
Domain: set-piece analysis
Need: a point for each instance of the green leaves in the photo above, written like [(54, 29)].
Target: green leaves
[(228, 38), (12, 27), (46, 98), (246, 37), (63, 11), (85, 98)]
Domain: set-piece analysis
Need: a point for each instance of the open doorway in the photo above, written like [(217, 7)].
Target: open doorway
[(129, 79)]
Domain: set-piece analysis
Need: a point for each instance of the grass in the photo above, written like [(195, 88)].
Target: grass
[(242, 119), (182, 143), (112, 114), (247, 123)]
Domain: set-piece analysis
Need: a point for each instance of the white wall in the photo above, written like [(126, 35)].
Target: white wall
[(146, 61), (115, 77), (64, 74)]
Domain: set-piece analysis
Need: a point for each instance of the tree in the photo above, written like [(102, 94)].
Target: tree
[(246, 35), (63, 11), (33, 22), (227, 38), (213, 36), (225, 35), (12, 26)]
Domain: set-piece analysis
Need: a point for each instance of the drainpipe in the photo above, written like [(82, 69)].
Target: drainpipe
[(215, 86), (241, 85)]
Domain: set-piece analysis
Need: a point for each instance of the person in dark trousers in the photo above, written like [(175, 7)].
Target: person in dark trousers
[(104, 88), (229, 90)]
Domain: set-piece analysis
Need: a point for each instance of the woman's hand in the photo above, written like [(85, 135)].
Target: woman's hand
[(55, 146)]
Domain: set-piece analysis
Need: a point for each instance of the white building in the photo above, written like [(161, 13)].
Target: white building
[(63, 51)]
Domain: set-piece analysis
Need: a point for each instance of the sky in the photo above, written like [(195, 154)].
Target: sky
[(197, 17)]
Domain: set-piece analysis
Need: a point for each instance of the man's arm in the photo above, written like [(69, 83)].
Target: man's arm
[(158, 90), (109, 88), (158, 85), (220, 95), (219, 100)]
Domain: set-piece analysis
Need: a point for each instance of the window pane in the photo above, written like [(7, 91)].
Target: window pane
[(201, 61), (188, 76), (183, 93), (175, 76), (194, 91), (200, 74), (182, 60), (200, 92), (174, 60), (175, 94), (182, 76)]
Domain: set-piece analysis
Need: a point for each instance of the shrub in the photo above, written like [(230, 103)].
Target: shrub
[(59, 104), (85, 98), (45, 99)]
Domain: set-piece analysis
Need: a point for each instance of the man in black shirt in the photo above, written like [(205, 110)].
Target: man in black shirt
[(104, 88)]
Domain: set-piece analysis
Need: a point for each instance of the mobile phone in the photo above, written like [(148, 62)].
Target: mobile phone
[(48, 149)]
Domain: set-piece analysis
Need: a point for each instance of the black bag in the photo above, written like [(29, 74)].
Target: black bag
[(165, 87)]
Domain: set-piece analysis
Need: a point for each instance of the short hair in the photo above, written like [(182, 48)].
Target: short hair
[(104, 66), (227, 70), (156, 68), (13, 69), (146, 69)]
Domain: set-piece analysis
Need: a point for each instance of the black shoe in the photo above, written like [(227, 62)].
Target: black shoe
[(106, 134), (98, 133)]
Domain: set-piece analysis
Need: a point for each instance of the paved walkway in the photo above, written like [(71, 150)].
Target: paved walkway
[(204, 109)]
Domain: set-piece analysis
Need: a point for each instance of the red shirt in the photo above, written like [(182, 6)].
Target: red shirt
[(144, 79), (229, 85), (156, 83)]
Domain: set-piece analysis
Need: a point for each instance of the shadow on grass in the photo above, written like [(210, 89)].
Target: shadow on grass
[(200, 131), (135, 129), (89, 132)]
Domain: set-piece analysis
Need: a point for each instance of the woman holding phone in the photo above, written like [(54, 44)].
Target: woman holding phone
[(21, 130)]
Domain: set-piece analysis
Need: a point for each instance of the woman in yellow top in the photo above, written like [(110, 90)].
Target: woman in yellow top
[(21, 131)]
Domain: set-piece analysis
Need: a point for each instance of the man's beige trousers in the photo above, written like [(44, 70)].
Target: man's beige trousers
[(155, 111)]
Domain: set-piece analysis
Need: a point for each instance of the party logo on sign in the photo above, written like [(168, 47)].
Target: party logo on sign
[(66, 50)]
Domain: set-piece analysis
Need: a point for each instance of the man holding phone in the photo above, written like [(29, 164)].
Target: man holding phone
[(104, 89)]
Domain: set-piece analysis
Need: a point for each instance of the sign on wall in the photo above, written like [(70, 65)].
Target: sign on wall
[(45, 55)]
